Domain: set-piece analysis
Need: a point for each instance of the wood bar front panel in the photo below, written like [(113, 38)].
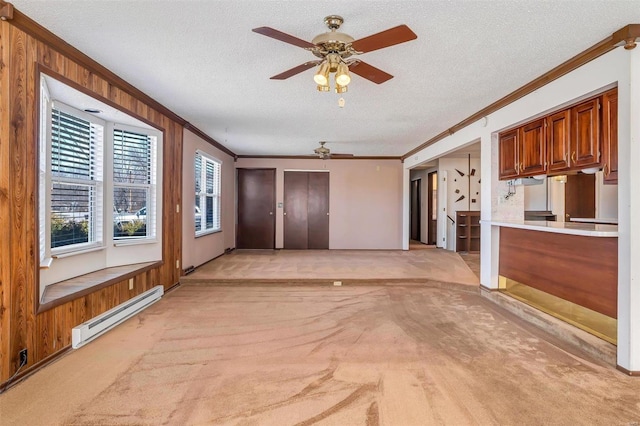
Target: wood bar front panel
[(580, 269), (44, 334)]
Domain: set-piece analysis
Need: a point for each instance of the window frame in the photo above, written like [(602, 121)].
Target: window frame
[(215, 195), (96, 214)]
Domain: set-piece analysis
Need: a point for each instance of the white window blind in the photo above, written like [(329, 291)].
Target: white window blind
[(133, 184), (76, 175), (207, 193)]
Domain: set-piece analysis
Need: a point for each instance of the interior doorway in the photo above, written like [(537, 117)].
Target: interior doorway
[(256, 228), (306, 210), (416, 216), (580, 196), (432, 208)]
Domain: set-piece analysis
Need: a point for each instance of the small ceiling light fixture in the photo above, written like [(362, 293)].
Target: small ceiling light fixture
[(333, 63)]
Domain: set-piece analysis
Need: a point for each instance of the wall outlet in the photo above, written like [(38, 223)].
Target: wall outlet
[(23, 357)]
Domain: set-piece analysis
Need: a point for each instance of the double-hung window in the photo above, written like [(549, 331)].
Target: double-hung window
[(207, 193), (133, 183), (74, 193)]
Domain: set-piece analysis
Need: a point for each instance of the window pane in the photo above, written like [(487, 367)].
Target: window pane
[(71, 154), (198, 215), (130, 212), (131, 157), (70, 213), (209, 212)]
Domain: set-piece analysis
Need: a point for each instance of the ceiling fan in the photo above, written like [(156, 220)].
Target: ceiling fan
[(335, 49), (324, 153)]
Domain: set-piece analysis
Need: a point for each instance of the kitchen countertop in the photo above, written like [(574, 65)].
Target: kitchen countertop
[(571, 228)]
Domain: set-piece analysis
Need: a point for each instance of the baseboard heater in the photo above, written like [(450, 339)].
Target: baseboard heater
[(89, 330)]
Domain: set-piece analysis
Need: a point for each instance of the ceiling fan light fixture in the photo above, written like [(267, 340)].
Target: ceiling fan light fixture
[(322, 88), (340, 88), (342, 75), (322, 75)]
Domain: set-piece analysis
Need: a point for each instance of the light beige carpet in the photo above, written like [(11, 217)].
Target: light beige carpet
[(324, 355), (325, 266)]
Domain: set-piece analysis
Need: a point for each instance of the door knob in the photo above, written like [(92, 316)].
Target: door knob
[(285, 213), (270, 213)]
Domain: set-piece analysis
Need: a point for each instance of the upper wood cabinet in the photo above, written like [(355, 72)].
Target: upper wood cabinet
[(532, 150), (558, 139), (508, 154), (576, 138), (610, 136), (523, 151), (585, 135)]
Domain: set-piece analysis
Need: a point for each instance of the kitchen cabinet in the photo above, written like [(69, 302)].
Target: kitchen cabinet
[(532, 149), (508, 150), (585, 134), (610, 137), (523, 151), (558, 139), (468, 231), (579, 137)]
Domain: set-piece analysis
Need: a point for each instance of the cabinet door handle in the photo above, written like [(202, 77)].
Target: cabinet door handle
[(606, 170), (573, 157), (522, 167), (517, 168)]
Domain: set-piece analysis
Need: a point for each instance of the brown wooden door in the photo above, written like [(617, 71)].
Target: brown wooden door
[(610, 136), (508, 151), (415, 209), (532, 149), (306, 208), (318, 211), (296, 194), (558, 137), (580, 196), (585, 137), (256, 227)]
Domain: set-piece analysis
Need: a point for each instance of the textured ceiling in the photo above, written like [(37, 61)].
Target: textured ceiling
[(201, 60)]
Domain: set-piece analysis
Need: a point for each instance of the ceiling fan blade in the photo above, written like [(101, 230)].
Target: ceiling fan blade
[(279, 35), (341, 155), (390, 37), (369, 72), (295, 70)]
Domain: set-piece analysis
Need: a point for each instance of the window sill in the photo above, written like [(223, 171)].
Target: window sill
[(64, 291), (77, 252), (134, 242), (205, 233)]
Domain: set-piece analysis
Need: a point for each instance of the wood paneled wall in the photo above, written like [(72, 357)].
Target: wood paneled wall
[(48, 333)]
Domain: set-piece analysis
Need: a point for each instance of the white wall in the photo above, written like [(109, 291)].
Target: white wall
[(535, 197), (464, 185), (196, 251), (365, 199)]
